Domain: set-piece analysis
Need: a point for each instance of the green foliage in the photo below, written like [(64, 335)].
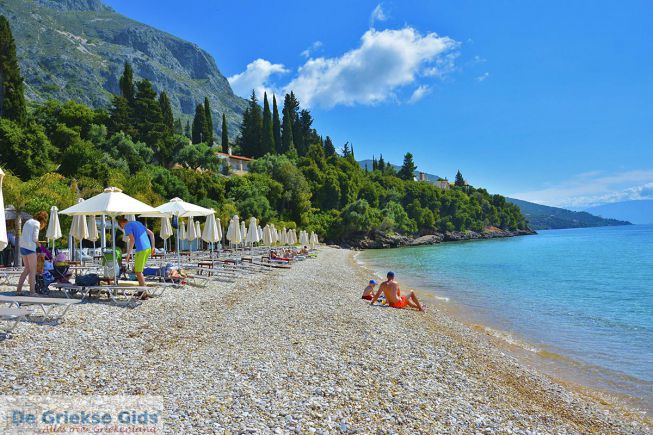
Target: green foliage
[(225, 135), (198, 155), (26, 152), (407, 170), (276, 125), (166, 111), (267, 134), (208, 123), (12, 98), (460, 181), (251, 144)]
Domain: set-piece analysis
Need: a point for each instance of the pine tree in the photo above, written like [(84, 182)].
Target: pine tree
[(148, 115), (199, 125), (122, 117), (345, 150), (267, 139), (291, 111), (208, 120), (308, 134), (460, 181), (381, 163), (187, 130), (12, 97), (225, 135), (407, 171), (127, 84), (287, 142), (329, 149), (166, 111), (374, 165), (276, 125)]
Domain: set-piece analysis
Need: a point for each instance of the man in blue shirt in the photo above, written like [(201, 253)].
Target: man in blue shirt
[(143, 239)]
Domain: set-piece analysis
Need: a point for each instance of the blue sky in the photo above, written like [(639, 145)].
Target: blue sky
[(549, 101)]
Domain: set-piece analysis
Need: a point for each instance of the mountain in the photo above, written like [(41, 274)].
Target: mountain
[(542, 217), (637, 211), (368, 163), (76, 50)]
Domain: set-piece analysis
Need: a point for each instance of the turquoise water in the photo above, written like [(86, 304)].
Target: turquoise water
[(583, 295)]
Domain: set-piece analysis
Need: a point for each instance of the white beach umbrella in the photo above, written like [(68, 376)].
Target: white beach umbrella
[(219, 224), (198, 231), (210, 233), (282, 236), (182, 231), (191, 230), (252, 232), (243, 231), (111, 202), (4, 241), (93, 233), (166, 228), (178, 207), (233, 231), (54, 228), (267, 235), (294, 236), (260, 232), (79, 230), (303, 238), (313, 240)]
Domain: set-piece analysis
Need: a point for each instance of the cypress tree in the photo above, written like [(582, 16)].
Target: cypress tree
[(276, 125), (148, 115), (374, 166), (381, 163), (178, 128), (208, 119), (12, 97), (199, 125), (225, 135), (329, 149), (460, 181), (166, 110), (267, 139), (407, 171), (287, 142), (127, 84), (187, 131), (251, 128), (345, 150)]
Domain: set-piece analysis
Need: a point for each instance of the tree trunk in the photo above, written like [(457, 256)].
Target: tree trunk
[(19, 230)]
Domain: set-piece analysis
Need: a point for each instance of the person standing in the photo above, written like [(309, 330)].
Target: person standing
[(29, 243), (141, 238)]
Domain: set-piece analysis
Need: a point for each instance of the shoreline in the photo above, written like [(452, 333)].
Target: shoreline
[(296, 351), (559, 368)]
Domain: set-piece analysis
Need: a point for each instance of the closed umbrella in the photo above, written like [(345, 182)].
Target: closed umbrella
[(4, 241), (54, 228), (93, 234), (252, 232), (198, 231), (233, 231), (313, 240), (243, 232), (166, 231), (267, 235), (210, 233), (282, 236), (111, 202), (79, 229), (182, 231)]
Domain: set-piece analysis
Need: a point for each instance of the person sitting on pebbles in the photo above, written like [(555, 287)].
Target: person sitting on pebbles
[(394, 297), (368, 293)]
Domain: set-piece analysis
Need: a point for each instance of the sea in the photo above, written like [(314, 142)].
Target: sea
[(575, 303)]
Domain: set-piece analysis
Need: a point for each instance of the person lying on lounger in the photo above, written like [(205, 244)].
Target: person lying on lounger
[(368, 293), (393, 295)]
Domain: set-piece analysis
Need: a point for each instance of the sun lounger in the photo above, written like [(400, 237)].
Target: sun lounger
[(116, 293), (52, 308), (6, 276), (12, 316)]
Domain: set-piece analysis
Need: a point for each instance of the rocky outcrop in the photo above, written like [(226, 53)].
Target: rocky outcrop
[(76, 50), (380, 240)]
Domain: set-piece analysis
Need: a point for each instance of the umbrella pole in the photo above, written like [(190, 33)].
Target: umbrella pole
[(177, 239), (113, 249)]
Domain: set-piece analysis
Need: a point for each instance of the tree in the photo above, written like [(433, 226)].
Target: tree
[(345, 150), (305, 130), (267, 139), (329, 149), (381, 163), (407, 171), (166, 111), (148, 115), (208, 123), (25, 151), (374, 164), (287, 142), (199, 125), (276, 125), (127, 84), (178, 128), (460, 181), (121, 117), (187, 130), (12, 97), (225, 134), (251, 128)]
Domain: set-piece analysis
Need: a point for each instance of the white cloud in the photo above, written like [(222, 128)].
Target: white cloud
[(483, 77), (256, 76), (312, 49), (378, 14), (594, 188), (385, 61), (419, 93)]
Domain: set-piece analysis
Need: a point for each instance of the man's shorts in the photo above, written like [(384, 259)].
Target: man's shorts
[(140, 258), (401, 303)]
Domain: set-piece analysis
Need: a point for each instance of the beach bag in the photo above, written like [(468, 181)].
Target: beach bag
[(92, 279)]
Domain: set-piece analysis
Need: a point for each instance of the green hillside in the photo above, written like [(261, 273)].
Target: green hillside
[(76, 49), (542, 217)]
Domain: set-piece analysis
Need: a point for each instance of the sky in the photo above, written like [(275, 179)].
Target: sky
[(547, 101)]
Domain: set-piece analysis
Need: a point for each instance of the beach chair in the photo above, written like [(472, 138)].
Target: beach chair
[(52, 308), (12, 316)]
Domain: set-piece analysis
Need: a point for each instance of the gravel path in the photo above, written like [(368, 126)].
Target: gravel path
[(296, 351)]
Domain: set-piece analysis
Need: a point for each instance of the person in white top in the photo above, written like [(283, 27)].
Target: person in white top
[(29, 242)]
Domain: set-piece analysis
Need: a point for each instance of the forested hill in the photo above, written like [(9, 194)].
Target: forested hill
[(542, 217), (76, 50)]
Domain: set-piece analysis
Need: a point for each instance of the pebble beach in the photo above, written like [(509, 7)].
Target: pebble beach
[(298, 351)]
